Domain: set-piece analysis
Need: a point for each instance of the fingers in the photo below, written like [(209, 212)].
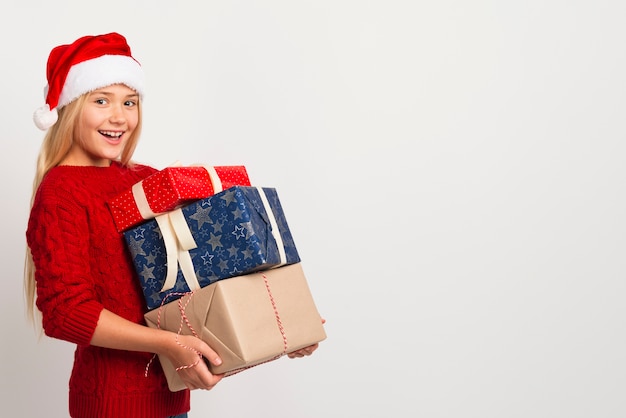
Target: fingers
[(196, 355), (303, 352), (200, 377), (213, 359), (203, 348), (210, 354)]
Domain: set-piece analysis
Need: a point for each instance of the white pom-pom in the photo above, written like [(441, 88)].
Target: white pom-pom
[(45, 118)]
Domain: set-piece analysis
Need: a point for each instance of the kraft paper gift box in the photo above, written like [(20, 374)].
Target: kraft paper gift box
[(248, 320), (240, 230), (172, 187)]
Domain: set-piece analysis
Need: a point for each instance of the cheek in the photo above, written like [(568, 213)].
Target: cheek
[(90, 116), (132, 120)]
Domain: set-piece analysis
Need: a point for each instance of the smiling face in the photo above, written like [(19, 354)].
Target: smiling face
[(108, 119)]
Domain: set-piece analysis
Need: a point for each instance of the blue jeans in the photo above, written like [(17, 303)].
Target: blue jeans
[(180, 416)]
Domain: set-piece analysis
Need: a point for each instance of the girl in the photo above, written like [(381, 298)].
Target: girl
[(78, 271)]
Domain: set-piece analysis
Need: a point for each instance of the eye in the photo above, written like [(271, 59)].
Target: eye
[(101, 101), (130, 103)]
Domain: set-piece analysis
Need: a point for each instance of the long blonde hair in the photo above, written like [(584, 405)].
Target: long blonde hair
[(57, 143)]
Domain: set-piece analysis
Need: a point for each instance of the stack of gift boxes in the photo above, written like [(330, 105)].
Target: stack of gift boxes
[(215, 258)]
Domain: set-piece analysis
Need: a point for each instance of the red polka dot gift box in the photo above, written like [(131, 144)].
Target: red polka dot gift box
[(171, 188)]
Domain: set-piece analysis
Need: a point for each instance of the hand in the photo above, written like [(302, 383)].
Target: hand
[(306, 351), (188, 355)]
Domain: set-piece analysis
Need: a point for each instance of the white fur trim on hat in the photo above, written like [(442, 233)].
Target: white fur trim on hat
[(100, 72)]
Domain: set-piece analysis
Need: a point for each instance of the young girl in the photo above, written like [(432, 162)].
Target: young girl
[(78, 271)]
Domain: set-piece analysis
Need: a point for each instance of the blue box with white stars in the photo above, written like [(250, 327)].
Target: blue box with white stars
[(238, 231)]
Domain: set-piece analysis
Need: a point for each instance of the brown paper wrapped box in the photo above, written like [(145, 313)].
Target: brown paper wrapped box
[(241, 319)]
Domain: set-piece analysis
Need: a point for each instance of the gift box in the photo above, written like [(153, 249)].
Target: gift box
[(237, 231), (248, 320), (172, 187)]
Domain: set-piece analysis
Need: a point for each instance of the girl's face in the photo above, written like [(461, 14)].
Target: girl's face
[(108, 119)]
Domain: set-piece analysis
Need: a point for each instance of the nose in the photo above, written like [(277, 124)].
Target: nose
[(117, 114)]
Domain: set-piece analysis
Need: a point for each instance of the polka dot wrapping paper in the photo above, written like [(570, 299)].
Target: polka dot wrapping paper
[(170, 188)]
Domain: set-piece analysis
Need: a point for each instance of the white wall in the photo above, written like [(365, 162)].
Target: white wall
[(452, 173)]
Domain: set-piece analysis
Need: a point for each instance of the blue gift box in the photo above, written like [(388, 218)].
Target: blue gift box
[(237, 231)]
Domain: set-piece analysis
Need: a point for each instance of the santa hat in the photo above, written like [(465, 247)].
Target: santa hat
[(88, 64)]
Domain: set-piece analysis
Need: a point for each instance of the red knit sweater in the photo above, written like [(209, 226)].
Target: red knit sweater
[(82, 266)]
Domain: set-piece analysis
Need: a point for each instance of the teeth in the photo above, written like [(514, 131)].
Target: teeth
[(112, 134)]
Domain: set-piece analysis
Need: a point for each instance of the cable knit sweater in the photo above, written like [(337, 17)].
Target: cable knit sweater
[(82, 266)]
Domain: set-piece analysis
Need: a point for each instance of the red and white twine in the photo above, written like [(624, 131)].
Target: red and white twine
[(183, 320), (183, 301)]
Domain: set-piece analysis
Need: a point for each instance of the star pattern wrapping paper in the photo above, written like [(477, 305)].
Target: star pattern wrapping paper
[(173, 187), (234, 236)]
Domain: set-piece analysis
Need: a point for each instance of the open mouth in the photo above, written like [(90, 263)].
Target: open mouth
[(114, 135)]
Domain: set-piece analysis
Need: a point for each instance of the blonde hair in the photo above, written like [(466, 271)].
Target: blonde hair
[(57, 143)]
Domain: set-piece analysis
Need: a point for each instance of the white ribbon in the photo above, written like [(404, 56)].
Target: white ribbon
[(274, 224), (178, 241), (216, 182), (175, 231), (139, 195), (215, 179), (141, 201)]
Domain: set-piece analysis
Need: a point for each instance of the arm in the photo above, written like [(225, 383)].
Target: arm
[(116, 332), (69, 302)]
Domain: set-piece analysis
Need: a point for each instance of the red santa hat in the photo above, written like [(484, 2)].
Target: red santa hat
[(87, 64)]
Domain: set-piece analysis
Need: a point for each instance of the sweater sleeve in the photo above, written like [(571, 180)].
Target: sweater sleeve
[(59, 240)]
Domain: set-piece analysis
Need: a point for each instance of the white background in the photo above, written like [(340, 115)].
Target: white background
[(452, 173)]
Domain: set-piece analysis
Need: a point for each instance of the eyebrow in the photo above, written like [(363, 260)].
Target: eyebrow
[(108, 93)]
